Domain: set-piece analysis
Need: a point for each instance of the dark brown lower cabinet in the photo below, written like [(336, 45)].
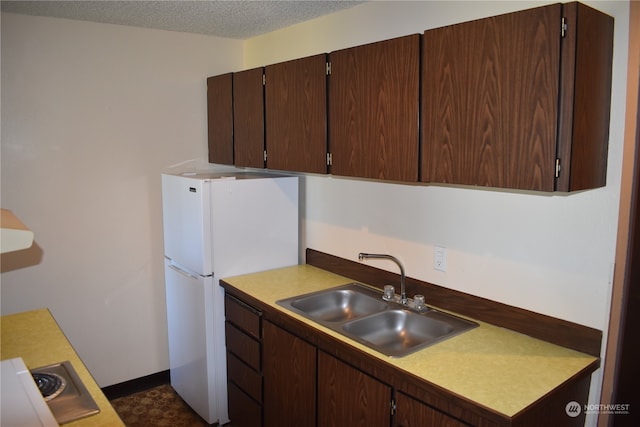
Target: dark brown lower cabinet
[(413, 413), (289, 372), (349, 397), (284, 373), (244, 366)]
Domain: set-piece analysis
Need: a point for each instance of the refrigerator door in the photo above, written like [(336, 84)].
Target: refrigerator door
[(192, 352), (187, 222)]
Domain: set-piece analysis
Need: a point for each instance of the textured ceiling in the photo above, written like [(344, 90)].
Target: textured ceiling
[(233, 19)]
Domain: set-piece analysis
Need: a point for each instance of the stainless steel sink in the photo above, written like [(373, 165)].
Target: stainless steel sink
[(400, 332), (338, 305), (358, 312)]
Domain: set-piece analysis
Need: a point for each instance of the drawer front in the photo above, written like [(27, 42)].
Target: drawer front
[(243, 346), (243, 315), (244, 377), (243, 411)]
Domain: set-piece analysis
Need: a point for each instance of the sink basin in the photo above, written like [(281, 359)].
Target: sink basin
[(337, 304), (358, 312), (400, 332)]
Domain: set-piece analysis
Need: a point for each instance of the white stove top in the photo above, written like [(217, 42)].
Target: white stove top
[(22, 402)]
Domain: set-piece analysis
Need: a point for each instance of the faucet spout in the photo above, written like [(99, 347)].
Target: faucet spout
[(403, 292)]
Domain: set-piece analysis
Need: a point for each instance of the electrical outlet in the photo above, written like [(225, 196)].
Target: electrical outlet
[(440, 259)]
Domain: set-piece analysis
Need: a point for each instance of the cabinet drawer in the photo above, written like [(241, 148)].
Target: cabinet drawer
[(243, 411), (243, 346), (242, 315), (244, 377)]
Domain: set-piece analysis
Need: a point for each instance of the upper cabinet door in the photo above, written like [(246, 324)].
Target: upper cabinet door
[(374, 110), (248, 118), (220, 118), (585, 98), (296, 115), (490, 97)]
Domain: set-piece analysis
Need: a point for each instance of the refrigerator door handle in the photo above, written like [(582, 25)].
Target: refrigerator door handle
[(181, 271)]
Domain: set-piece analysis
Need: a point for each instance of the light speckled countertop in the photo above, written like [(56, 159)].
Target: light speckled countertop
[(503, 370), (36, 337)]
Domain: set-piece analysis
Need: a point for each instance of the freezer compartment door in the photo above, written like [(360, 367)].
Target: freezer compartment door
[(255, 225), (196, 359), (187, 222)]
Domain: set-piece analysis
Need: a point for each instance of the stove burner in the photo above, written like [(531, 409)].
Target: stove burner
[(73, 399), (50, 385)]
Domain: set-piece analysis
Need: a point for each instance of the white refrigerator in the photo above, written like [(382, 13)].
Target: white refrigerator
[(215, 226)]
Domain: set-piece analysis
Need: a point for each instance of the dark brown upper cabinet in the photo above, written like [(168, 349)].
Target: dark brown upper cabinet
[(220, 118), (248, 121), (374, 110), (585, 99), (296, 115), (519, 100)]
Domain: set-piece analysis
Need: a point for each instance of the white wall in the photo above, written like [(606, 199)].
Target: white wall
[(552, 254), (91, 115)]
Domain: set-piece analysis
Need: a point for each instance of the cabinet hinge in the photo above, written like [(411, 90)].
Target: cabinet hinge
[(329, 159), (264, 79), (393, 406), (264, 155), (563, 30), (328, 68), (557, 168)]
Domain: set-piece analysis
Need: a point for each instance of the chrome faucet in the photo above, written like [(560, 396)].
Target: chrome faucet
[(403, 292)]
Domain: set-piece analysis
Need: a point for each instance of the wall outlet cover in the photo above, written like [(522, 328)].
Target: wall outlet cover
[(440, 259)]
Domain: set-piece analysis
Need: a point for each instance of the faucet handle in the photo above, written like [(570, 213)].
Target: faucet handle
[(389, 293), (418, 302)]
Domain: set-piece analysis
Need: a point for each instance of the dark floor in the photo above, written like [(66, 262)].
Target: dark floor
[(157, 407)]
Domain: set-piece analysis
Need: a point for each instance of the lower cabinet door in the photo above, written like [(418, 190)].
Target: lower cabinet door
[(289, 374), (413, 413), (349, 397)]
